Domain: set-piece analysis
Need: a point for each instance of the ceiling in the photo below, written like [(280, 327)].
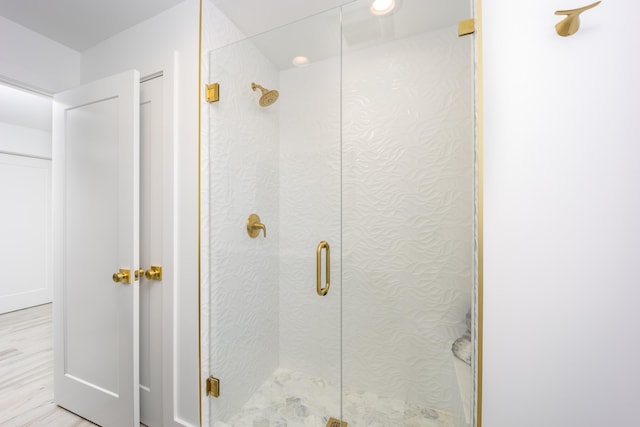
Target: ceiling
[(80, 24), (325, 34), (256, 16)]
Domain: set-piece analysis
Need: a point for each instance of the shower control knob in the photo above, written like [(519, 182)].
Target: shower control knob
[(254, 226)]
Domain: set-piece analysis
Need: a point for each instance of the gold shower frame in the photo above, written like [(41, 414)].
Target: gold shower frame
[(477, 12)]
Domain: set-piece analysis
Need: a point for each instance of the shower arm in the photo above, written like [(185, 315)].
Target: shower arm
[(255, 86)]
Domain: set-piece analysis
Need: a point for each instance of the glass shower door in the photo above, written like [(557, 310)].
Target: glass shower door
[(407, 214), (274, 153)]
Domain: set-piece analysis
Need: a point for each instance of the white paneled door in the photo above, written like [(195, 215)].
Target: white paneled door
[(96, 242)]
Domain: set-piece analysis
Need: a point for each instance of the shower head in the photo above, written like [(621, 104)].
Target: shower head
[(268, 96)]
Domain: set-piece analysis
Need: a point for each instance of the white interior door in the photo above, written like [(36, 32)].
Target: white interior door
[(151, 250), (96, 221)]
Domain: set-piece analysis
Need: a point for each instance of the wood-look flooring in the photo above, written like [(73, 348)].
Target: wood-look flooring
[(26, 372)]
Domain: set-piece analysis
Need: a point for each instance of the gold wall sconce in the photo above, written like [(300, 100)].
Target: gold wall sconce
[(570, 25)]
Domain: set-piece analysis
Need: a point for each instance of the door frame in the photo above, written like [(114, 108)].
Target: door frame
[(169, 280), (170, 331)]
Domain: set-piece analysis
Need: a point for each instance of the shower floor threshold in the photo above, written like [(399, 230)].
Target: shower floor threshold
[(294, 399)]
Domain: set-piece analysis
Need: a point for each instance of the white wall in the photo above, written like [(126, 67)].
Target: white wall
[(561, 210), (168, 39), (34, 60), (25, 192)]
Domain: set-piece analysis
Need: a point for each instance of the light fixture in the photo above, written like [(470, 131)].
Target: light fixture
[(300, 61), (382, 7)]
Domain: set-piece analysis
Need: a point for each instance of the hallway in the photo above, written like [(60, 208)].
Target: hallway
[(26, 371)]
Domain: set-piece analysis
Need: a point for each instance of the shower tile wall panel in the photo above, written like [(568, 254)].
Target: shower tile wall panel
[(310, 213), (408, 194), (244, 271)]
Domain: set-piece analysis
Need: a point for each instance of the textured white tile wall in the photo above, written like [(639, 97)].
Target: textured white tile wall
[(408, 209), (310, 212), (217, 31)]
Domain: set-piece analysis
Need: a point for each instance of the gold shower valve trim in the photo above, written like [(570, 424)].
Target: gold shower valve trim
[(254, 226)]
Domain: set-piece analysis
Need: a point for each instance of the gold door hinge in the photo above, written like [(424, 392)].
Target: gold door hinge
[(213, 92), (466, 27), (213, 387)]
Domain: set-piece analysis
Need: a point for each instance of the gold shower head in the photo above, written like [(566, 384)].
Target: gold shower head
[(268, 96)]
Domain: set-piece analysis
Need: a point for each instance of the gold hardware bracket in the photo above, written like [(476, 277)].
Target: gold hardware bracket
[(254, 226), (154, 273), (213, 92), (466, 27), (570, 25), (322, 291), (138, 273), (334, 422), (213, 387), (122, 276)]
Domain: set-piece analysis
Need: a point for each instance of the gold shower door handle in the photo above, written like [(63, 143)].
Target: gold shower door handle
[(322, 291)]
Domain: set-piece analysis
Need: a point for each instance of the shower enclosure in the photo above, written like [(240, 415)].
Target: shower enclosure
[(340, 230)]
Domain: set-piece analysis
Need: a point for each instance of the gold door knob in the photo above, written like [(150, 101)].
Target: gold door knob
[(154, 273), (122, 276), (254, 226)]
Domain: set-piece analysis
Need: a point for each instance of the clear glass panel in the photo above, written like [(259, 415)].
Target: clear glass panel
[(369, 147), (275, 343), (408, 214)]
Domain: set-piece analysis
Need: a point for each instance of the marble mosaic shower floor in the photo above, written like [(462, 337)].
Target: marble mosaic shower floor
[(293, 399)]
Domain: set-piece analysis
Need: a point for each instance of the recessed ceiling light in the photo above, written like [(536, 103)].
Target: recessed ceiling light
[(382, 7), (300, 61)]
